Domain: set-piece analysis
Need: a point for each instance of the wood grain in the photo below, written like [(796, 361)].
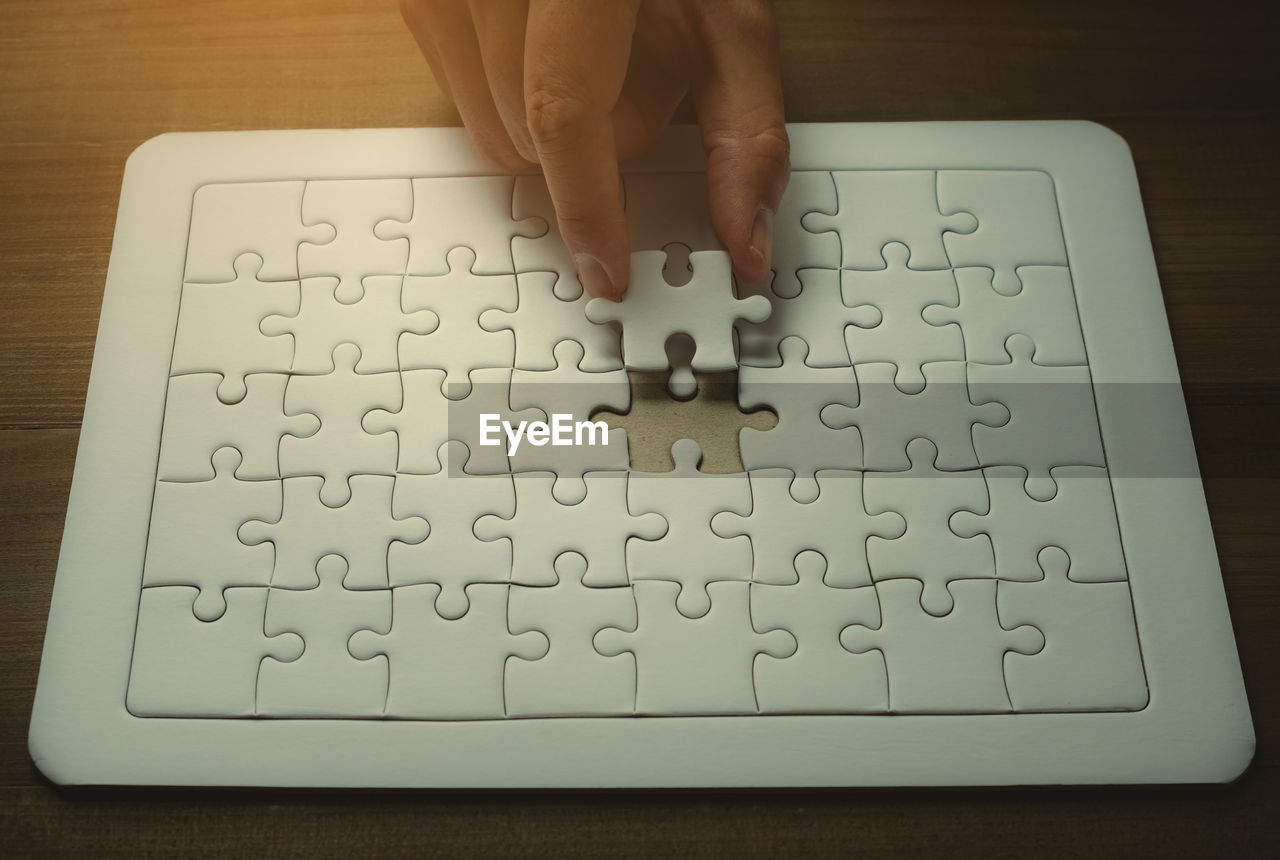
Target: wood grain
[(1191, 87)]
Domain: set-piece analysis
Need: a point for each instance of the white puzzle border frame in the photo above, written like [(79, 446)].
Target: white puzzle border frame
[(1196, 727)]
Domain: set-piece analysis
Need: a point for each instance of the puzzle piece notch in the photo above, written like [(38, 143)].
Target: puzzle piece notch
[(943, 665), (185, 667), (352, 207), (815, 312), (690, 554), (1091, 658), (218, 328), (902, 337), (929, 552), (451, 212), (197, 423), (820, 676), (887, 419), (879, 207), (261, 218), (573, 679), (687, 666), (420, 425), (325, 680), (448, 669), (542, 529), (451, 557), (1080, 520), (341, 448), (665, 208), (797, 393), (374, 322), (835, 524), (542, 319), (192, 535), (360, 531), (653, 310), (459, 346), (1044, 309), (1053, 420)]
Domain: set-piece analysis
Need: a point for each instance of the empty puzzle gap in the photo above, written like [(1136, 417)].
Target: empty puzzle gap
[(712, 417)]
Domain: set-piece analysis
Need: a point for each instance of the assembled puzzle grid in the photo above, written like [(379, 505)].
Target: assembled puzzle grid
[(969, 552)]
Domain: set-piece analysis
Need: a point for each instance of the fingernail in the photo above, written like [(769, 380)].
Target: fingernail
[(593, 276), (762, 237)]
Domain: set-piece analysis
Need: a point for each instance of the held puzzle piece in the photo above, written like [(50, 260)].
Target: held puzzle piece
[(341, 514)]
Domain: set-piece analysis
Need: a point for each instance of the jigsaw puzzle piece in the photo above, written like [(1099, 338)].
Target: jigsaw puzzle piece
[(185, 667), (797, 393), (690, 554), (929, 552), (450, 212), (835, 524), (573, 679), (352, 207), (448, 669), (682, 384), (567, 396), (374, 323), (262, 218), (192, 538), (542, 528), (878, 207), (887, 418), (541, 320), (325, 681), (452, 557), (1091, 659), (794, 247), (546, 253), (953, 664), (686, 666), (360, 531), (1053, 420), (197, 423), (1044, 310), (817, 313), (218, 328), (421, 425), (821, 676), (663, 208), (487, 403), (902, 337), (653, 310), (1018, 224), (340, 448), (458, 298), (1080, 520)]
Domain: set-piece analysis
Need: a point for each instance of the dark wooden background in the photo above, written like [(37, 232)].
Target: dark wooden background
[(1193, 88)]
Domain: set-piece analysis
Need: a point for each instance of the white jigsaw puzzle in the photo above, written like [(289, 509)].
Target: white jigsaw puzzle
[(321, 531)]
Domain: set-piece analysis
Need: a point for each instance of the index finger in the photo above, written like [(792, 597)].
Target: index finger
[(576, 55)]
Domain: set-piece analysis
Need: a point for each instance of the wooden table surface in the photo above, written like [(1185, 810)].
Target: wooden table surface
[(1193, 90)]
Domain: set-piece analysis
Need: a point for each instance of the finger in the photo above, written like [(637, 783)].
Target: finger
[(576, 55), (446, 35), (500, 31), (649, 99), (738, 95)]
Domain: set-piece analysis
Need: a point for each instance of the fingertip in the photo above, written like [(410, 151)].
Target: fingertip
[(596, 279)]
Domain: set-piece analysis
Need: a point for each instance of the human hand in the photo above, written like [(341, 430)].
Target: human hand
[(577, 85)]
